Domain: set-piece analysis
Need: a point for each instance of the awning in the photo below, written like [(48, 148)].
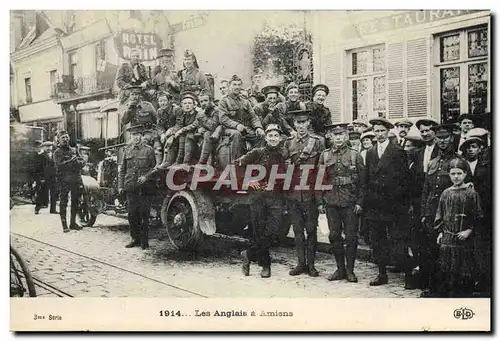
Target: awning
[(40, 111)]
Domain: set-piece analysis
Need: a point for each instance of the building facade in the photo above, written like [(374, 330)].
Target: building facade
[(404, 64)]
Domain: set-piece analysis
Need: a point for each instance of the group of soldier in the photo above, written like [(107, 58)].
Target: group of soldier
[(385, 186)]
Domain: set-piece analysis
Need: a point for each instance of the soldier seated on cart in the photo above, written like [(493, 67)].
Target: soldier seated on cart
[(241, 123), (209, 121), (267, 110), (137, 111)]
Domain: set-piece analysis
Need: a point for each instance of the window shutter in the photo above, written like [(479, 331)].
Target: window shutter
[(395, 80), (417, 87), (333, 79)]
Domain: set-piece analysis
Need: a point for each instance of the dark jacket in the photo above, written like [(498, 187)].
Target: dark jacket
[(417, 174), (236, 110), (137, 161), (320, 116), (44, 168), (386, 192), (274, 116), (68, 164), (143, 114)]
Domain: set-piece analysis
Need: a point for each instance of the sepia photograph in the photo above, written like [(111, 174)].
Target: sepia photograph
[(263, 166)]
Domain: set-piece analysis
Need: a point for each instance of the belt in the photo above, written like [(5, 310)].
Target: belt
[(342, 181)]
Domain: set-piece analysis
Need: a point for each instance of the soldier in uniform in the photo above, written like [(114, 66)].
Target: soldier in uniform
[(191, 77), (239, 120), (291, 103), (345, 170), (436, 181), (267, 204), (137, 111), (45, 173), (255, 92), (137, 160), (69, 165), (167, 80), (267, 113), (321, 115), (304, 149), (132, 74), (208, 120)]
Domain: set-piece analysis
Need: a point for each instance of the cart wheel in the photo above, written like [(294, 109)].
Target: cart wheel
[(180, 217), (85, 216), (19, 273)]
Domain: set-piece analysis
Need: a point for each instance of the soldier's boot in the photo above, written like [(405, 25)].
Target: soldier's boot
[(217, 134), (341, 272), (64, 223), (311, 258), (266, 272), (245, 266), (381, 278), (188, 151), (182, 150), (301, 267), (145, 239), (206, 150), (73, 225), (350, 259)]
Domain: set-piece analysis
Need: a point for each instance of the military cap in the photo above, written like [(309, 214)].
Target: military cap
[(382, 121), (444, 130), (476, 132), (360, 122), (188, 94), (319, 87), (84, 148), (165, 53), (403, 122), (235, 78), (188, 53), (367, 134), (470, 140), (426, 121), (271, 127), (290, 86), (61, 133), (138, 128), (205, 92), (336, 128), (465, 116), (163, 94), (134, 88), (300, 115), (47, 144), (271, 89), (354, 133)]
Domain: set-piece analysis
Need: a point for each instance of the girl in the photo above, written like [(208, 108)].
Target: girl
[(456, 218)]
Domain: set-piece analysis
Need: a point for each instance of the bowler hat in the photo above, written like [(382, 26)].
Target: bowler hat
[(382, 121)]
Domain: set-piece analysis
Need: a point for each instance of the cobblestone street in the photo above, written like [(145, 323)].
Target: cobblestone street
[(93, 262)]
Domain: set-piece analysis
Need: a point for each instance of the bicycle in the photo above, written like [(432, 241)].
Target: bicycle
[(21, 281)]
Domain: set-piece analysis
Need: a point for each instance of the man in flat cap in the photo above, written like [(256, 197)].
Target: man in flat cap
[(137, 111), (266, 204), (346, 172), (291, 103), (360, 126), (321, 115), (191, 77), (466, 123), (436, 181), (69, 164), (137, 161), (403, 126), (132, 74), (167, 79), (303, 150), (354, 137), (385, 199), (45, 178), (267, 110), (239, 120)]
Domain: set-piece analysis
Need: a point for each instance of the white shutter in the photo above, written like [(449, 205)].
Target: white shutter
[(333, 79), (395, 80), (417, 87)]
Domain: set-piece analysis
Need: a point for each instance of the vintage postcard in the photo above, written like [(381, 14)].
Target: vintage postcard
[(201, 170)]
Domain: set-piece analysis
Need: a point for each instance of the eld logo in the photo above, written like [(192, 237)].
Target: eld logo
[(463, 313)]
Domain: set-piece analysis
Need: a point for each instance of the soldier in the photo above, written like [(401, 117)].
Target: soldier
[(355, 140), (255, 92), (239, 120), (291, 103), (132, 74), (167, 79), (208, 120), (436, 181), (45, 173), (266, 205), (345, 170), (304, 149), (224, 87), (69, 165), (191, 78), (403, 126), (266, 110), (137, 160), (137, 111), (321, 115)]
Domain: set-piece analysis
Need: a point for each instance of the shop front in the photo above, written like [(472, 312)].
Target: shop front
[(405, 64), (45, 114)]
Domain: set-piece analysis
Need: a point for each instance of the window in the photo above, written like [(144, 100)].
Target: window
[(53, 82), (100, 55), (367, 82), (463, 70), (73, 64), (27, 88)]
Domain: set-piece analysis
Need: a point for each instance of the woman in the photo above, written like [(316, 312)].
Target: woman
[(366, 143)]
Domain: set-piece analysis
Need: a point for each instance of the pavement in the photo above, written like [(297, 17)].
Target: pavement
[(93, 262)]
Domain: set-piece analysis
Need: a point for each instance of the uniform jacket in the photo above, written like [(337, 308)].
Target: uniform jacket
[(186, 123), (166, 117), (345, 170), (274, 116), (436, 181), (137, 161), (68, 164), (320, 117), (387, 181), (305, 150), (283, 108), (143, 113), (193, 80), (164, 81), (208, 118), (234, 110), (128, 76)]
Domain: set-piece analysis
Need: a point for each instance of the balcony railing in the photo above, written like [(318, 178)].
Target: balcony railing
[(89, 85)]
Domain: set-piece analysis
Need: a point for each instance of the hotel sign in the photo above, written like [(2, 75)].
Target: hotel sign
[(401, 20), (147, 43)]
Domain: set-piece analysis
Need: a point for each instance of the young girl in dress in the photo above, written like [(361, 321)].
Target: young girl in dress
[(457, 216)]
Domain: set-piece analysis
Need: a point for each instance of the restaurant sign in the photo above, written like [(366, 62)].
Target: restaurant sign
[(147, 43), (400, 20)]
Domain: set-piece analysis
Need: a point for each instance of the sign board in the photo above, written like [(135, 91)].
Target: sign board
[(147, 43)]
